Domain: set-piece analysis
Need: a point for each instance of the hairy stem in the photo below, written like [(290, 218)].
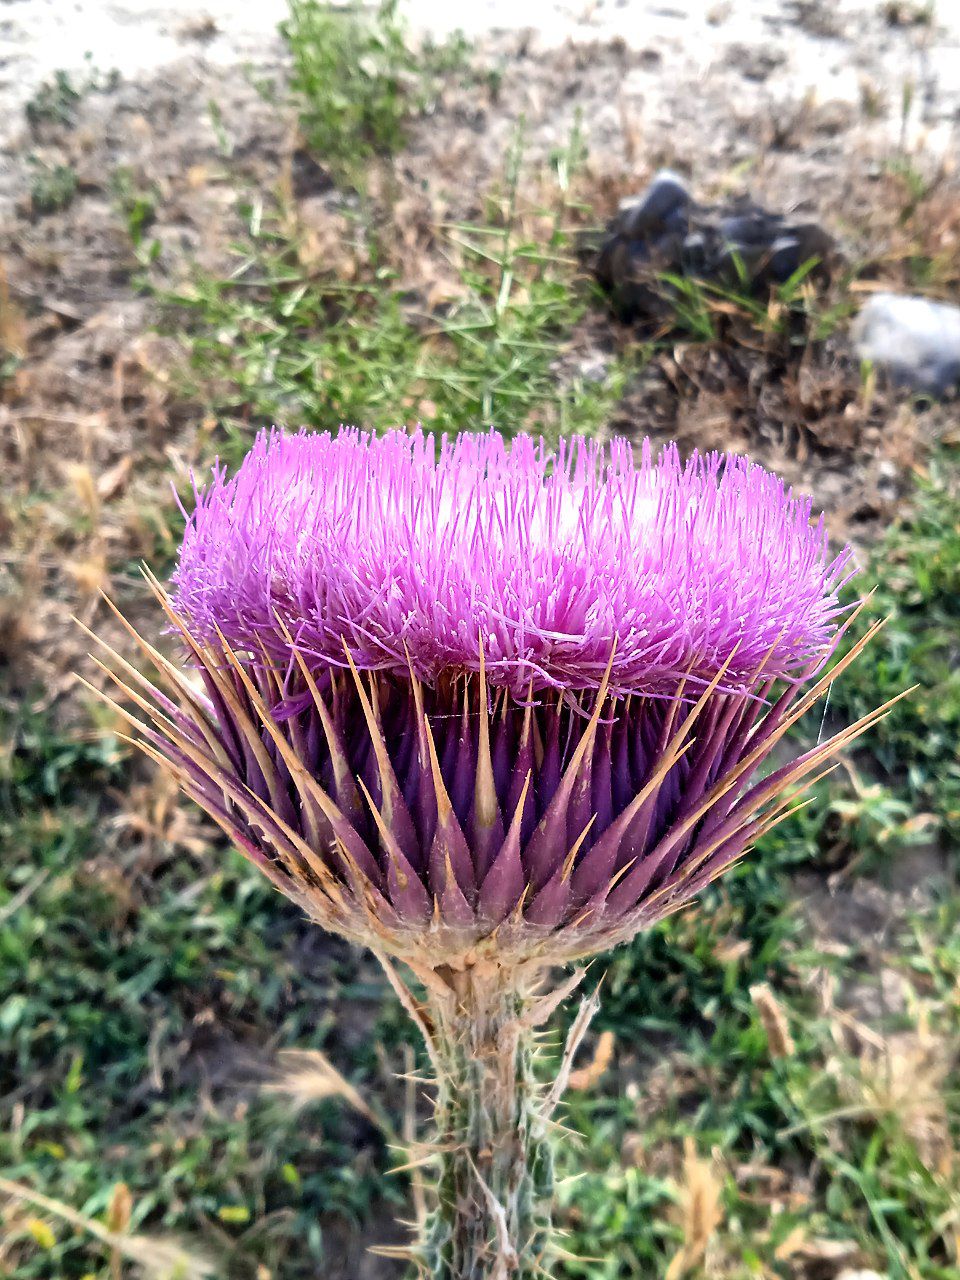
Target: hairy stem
[(491, 1218)]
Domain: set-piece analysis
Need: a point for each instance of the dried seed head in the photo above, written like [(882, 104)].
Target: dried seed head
[(774, 1020), (701, 1211)]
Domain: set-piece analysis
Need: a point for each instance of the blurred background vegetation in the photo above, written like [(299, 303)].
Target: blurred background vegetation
[(772, 1086)]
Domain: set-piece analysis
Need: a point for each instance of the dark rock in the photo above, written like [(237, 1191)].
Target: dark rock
[(693, 254), (666, 232), (662, 207)]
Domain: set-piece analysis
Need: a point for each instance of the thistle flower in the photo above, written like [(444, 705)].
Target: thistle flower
[(487, 708)]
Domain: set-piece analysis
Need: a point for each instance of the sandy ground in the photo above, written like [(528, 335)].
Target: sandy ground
[(836, 51)]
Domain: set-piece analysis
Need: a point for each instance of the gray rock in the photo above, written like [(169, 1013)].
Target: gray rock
[(915, 341)]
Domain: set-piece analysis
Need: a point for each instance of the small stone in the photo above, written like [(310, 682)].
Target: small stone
[(752, 227), (662, 207), (860, 1275), (593, 368), (915, 341)]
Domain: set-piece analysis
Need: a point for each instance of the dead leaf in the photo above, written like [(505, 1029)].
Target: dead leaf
[(779, 1040), (586, 1077), (13, 332), (84, 486), (700, 1209), (114, 479), (906, 1077), (90, 575), (121, 1207), (730, 950)]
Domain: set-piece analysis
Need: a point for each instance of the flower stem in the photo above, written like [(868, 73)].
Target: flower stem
[(491, 1218)]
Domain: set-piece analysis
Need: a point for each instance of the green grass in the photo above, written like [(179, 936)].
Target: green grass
[(349, 77), (283, 339), (916, 576), (277, 343), (52, 187), (137, 206), (133, 989), (792, 315), (356, 82), (676, 997), (56, 101)]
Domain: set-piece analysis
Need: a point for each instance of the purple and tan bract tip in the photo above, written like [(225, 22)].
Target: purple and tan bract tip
[(477, 697)]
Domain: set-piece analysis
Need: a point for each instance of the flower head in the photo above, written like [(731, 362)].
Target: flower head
[(414, 555), (483, 696)]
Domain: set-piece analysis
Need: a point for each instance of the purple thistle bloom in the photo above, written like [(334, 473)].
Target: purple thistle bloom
[(488, 708), (416, 556), (485, 690)]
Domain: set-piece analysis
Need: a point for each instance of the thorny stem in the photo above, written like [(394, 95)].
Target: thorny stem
[(491, 1219)]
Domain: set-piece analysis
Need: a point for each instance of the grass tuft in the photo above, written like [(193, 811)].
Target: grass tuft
[(282, 340), (356, 82)]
